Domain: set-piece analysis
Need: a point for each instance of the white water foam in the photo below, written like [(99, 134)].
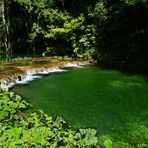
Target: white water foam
[(72, 65), (51, 70), (34, 74), (10, 85), (84, 63), (28, 78), (25, 80), (78, 65)]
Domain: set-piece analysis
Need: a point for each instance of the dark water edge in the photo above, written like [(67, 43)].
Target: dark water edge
[(112, 102)]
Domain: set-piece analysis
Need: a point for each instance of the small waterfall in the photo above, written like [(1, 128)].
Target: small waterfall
[(77, 64), (51, 70), (72, 65), (32, 75), (28, 78), (21, 79), (84, 63), (36, 73)]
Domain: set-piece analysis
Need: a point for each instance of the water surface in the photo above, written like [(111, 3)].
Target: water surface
[(107, 100)]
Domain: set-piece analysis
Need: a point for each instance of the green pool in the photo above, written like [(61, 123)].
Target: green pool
[(112, 102)]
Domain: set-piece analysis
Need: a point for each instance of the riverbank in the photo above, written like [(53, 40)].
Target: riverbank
[(16, 73)]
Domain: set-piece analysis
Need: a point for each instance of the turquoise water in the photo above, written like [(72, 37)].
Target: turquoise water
[(107, 100)]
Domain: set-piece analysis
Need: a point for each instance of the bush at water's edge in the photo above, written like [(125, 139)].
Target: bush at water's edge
[(37, 129)]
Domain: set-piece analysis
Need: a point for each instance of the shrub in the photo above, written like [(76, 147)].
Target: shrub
[(37, 129), (22, 61)]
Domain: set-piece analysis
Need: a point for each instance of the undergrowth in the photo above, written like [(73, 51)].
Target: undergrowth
[(37, 129), (23, 61)]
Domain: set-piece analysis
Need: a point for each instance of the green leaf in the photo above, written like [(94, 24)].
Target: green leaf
[(108, 143)]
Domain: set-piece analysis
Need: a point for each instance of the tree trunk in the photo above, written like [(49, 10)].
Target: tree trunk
[(1, 42), (63, 5), (32, 44), (5, 19)]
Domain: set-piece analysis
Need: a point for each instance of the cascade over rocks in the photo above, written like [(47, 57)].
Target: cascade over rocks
[(24, 74)]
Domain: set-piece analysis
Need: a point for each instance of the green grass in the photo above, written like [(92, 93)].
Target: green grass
[(114, 103)]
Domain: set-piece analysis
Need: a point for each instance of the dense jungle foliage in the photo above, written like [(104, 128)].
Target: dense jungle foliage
[(114, 32)]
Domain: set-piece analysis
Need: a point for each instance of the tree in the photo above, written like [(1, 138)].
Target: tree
[(5, 26), (124, 36)]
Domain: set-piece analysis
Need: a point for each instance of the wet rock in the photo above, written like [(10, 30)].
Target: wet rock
[(19, 78), (13, 76)]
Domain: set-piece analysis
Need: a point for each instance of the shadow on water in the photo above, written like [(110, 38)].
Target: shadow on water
[(126, 71)]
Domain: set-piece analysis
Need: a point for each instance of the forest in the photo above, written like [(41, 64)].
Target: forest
[(113, 33)]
